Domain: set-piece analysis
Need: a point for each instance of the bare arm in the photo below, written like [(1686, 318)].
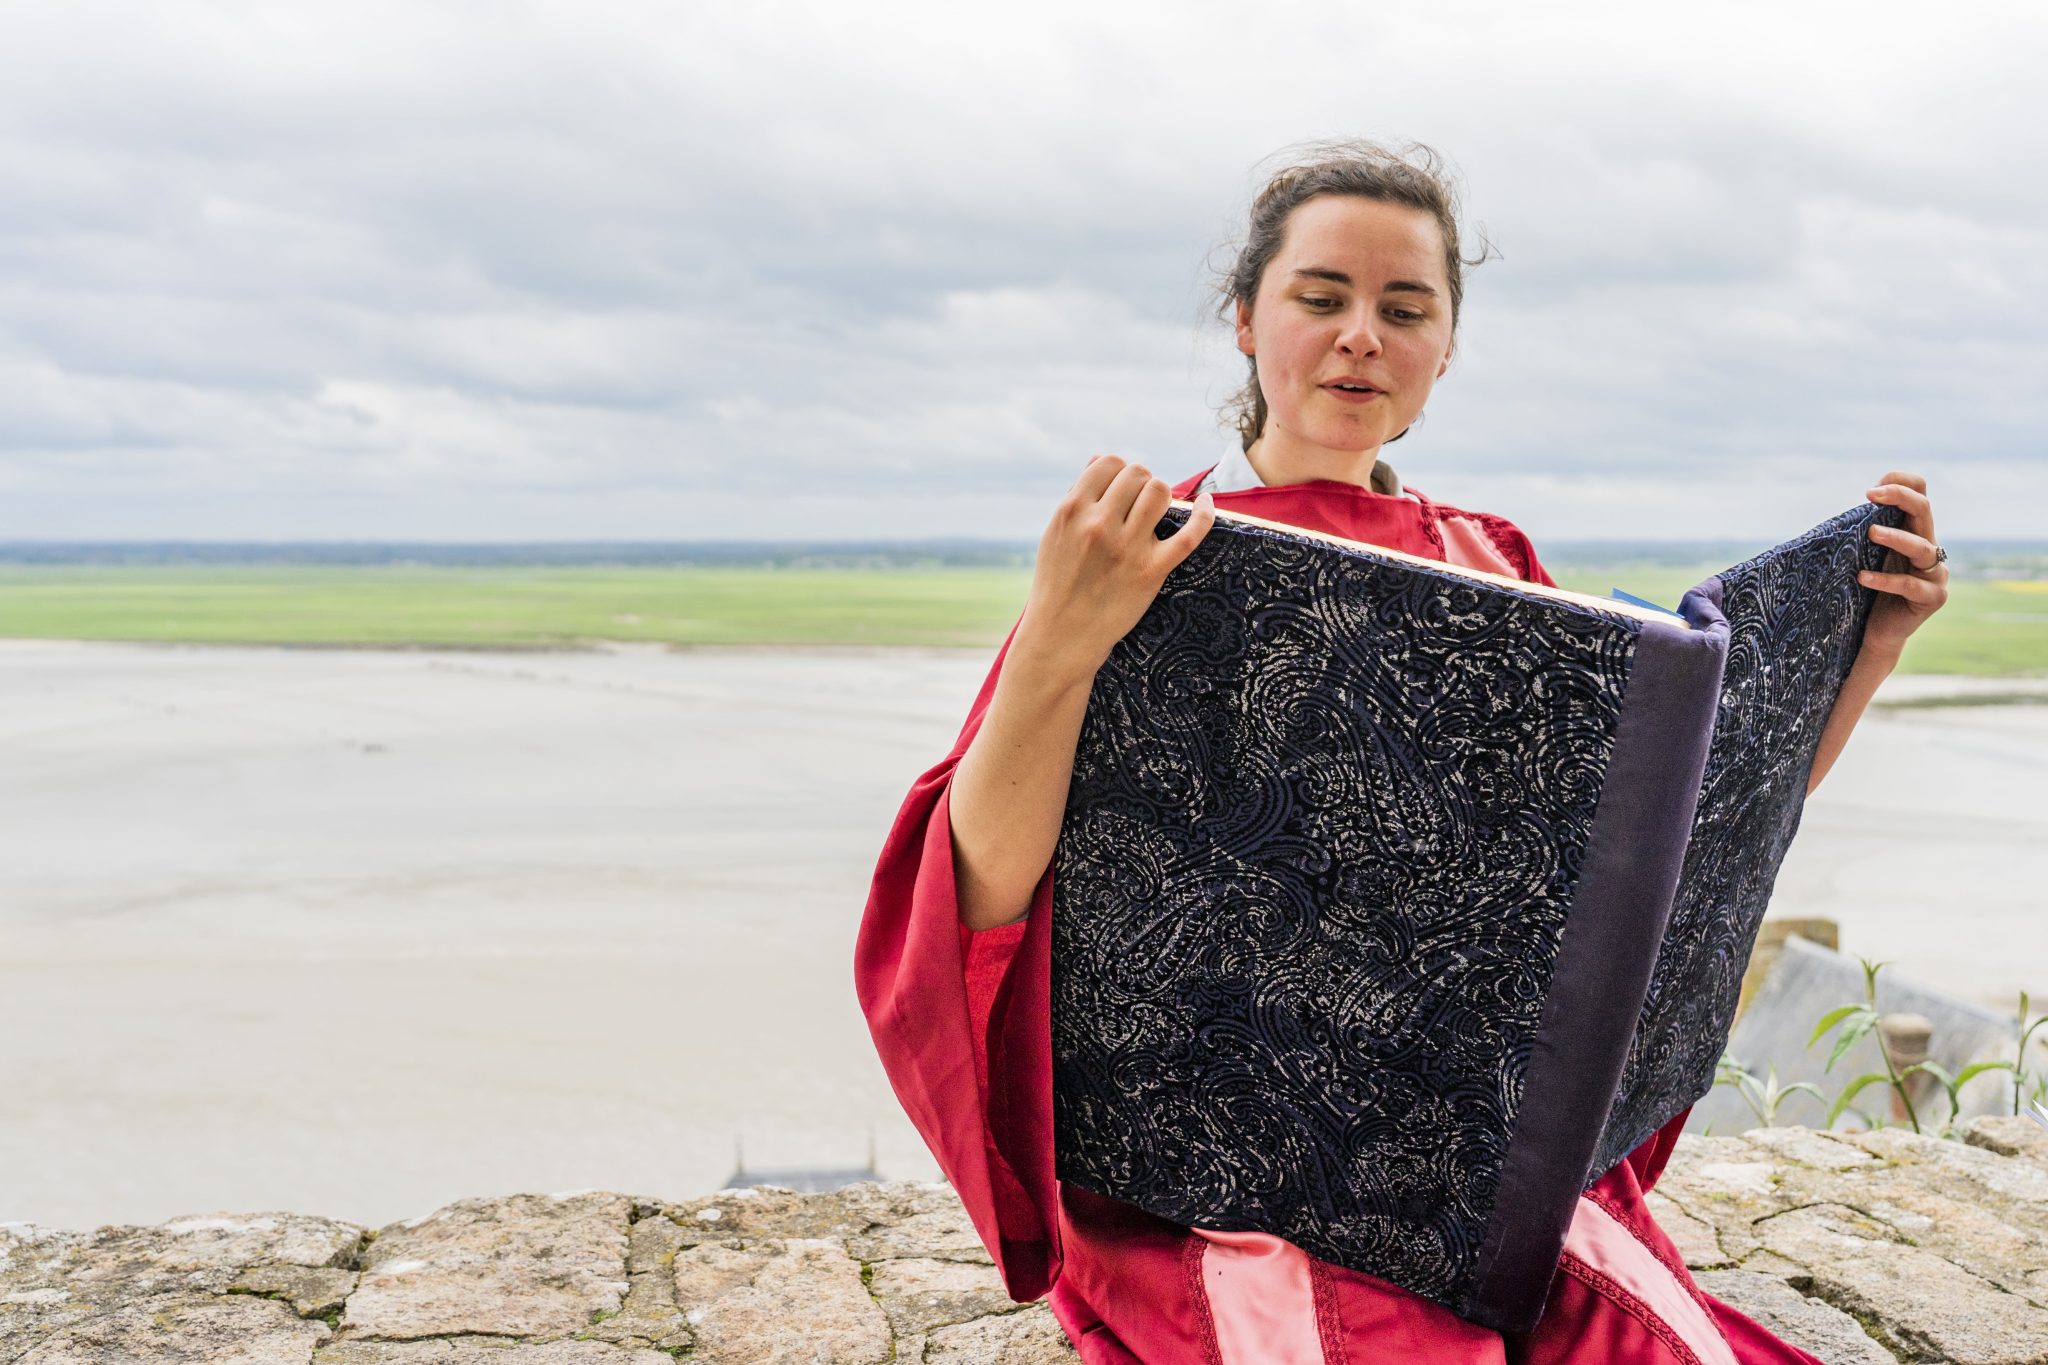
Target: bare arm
[(1009, 793), (1912, 588), (1864, 675), (1099, 566)]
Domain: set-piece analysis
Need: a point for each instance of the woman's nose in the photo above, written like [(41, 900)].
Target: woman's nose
[(1360, 336)]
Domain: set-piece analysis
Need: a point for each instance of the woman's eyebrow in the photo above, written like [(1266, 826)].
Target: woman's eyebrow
[(1312, 272)]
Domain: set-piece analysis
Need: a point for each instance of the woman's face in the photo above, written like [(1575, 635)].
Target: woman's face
[(1356, 295)]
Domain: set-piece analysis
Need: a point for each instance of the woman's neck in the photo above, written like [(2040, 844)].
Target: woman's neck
[(1280, 463)]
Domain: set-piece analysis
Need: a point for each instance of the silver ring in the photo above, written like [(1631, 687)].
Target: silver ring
[(1940, 554)]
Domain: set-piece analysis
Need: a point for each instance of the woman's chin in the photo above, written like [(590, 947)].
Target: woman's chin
[(1347, 443)]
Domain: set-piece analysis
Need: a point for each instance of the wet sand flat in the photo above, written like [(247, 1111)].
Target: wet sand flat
[(359, 932)]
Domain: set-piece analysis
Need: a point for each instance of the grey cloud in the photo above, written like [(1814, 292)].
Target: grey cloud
[(619, 254)]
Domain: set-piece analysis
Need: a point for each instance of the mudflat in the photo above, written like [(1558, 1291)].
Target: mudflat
[(360, 932)]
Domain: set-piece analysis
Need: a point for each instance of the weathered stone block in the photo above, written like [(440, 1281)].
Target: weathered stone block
[(311, 1292), (920, 1294), (793, 1302), (1027, 1336), (1807, 1323), (528, 1265), (232, 1329), (485, 1351)]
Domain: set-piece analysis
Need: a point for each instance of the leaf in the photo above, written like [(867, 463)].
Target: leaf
[(1852, 1033), (1976, 1069), (1830, 1019), (1856, 1087)]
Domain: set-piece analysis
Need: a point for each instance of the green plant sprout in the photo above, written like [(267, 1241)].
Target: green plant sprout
[(1762, 1094), (2020, 1074), (1856, 1021)]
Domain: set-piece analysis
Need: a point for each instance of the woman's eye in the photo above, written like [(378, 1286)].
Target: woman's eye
[(1404, 314), (1320, 302)]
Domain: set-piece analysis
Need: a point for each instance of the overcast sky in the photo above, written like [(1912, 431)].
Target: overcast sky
[(681, 271)]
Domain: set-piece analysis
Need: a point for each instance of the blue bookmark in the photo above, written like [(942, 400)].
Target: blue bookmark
[(1633, 600)]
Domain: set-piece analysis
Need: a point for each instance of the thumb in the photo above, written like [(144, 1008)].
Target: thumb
[(1182, 543)]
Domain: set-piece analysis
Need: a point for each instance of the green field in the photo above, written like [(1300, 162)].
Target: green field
[(1991, 628), (521, 607)]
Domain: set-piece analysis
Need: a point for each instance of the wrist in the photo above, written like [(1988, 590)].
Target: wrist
[(1879, 656), (1046, 665)]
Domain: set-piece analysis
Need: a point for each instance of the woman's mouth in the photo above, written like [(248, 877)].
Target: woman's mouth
[(1351, 391)]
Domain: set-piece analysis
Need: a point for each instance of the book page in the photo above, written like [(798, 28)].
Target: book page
[(1613, 605)]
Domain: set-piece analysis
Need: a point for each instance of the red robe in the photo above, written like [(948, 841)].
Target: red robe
[(962, 1021)]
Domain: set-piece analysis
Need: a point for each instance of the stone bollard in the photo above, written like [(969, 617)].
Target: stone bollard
[(1906, 1039)]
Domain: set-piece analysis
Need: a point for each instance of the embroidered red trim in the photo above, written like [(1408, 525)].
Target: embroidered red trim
[(1613, 1291), (1508, 536), (1329, 1325), (1664, 1258), (1191, 1255)]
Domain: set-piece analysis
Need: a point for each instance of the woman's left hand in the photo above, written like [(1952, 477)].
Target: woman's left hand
[(1913, 583)]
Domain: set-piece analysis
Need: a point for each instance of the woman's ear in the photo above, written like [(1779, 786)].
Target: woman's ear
[(1244, 329)]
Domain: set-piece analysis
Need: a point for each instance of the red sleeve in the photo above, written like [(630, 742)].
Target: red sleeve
[(963, 1025), (1648, 1160), (1515, 546)]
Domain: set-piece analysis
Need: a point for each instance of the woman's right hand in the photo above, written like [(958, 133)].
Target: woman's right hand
[(1100, 565)]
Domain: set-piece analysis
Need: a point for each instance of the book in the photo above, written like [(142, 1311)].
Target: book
[(1396, 902)]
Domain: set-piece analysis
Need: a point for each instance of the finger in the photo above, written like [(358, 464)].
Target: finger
[(1921, 592), (1917, 551), (1910, 500), (1175, 549), (1150, 504), (1123, 490), (1100, 472)]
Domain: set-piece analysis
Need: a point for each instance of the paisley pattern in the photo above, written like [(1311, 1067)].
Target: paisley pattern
[(1795, 617), (1325, 824)]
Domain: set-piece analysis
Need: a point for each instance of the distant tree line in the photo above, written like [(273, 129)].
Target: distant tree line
[(1972, 559)]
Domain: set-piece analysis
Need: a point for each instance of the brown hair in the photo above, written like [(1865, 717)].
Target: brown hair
[(1415, 176)]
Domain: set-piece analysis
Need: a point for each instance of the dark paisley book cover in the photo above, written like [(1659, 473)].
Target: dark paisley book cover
[(1396, 902)]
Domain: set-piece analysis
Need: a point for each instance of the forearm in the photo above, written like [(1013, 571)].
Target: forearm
[(1009, 792), (1872, 667)]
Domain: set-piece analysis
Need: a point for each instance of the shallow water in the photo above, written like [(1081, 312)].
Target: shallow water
[(359, 933)]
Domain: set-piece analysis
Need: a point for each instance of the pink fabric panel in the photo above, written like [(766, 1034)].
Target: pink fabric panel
[(1137, 1284), (1261, 1299), (1469, 547), (1597, 1240)]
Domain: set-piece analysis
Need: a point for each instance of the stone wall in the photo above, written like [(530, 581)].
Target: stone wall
[(1876, 1248)]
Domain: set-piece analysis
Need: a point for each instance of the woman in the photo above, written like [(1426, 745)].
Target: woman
[(1345, 299)]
